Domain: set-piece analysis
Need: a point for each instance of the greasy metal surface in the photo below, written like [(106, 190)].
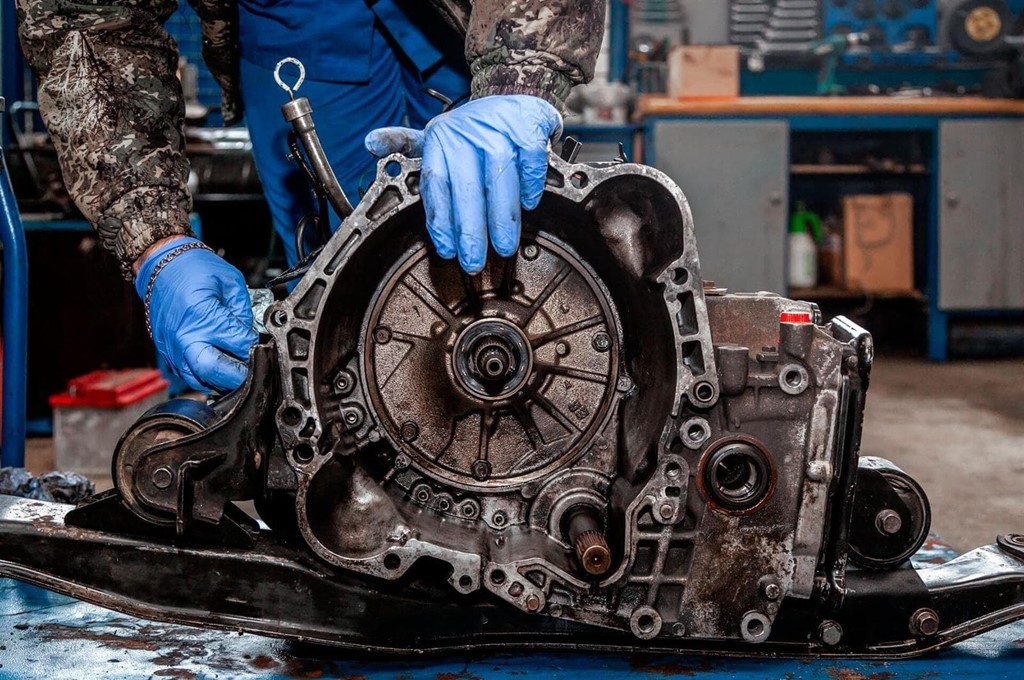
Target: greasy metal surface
[(585, 447), (428, 320), (50, 635)]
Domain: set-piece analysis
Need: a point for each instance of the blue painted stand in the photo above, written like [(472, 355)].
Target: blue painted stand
[(15, 324), (52, 636)]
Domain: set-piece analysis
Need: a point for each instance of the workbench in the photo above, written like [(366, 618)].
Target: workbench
[(52, 636), (732, 159)]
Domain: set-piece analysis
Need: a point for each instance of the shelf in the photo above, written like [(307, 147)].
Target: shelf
[(853, 169), (837, 293)]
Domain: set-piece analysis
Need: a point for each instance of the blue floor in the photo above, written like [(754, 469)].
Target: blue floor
[(43, 635)]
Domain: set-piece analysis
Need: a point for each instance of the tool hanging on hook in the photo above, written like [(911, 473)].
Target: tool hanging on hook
[(299, 113)]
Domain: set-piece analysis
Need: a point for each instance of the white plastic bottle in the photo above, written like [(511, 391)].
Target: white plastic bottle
[(803, 252)]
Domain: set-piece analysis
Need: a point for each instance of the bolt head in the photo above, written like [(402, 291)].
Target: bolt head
[(772, 591), (409, 431), (162, 478), (530, 252), (678, 629), (888, 522), (924, 622), (561, 349), (602, 342), (481, 470), (382, 335), (532, 603), (666, 511), (830, 633)]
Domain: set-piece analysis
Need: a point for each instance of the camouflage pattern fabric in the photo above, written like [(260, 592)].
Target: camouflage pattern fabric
[(113, 104)]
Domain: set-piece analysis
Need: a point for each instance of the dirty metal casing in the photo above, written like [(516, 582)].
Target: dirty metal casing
[(583, 435)]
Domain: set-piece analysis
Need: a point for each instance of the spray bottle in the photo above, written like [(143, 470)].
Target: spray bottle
[(803, 253)]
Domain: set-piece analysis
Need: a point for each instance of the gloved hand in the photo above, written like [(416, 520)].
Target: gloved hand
[(199, 315), (480, 162)]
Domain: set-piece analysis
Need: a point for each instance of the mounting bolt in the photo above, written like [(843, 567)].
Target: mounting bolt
[(343, 383), (678, 629), (401, 462), (830, 633), (888, 522), (532, 603), (602, 342), (382, 335), (561, 349), (352, 417), (771, 590), (409, 431), (666, 511), (530, 252), (481, 470), (499, 519), (162, 478), (924, 622), (624, 384)]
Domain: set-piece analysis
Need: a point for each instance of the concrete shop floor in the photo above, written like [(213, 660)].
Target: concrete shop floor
[(957, 428)]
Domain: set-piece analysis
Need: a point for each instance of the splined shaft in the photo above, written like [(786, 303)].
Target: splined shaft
[(587, 537)]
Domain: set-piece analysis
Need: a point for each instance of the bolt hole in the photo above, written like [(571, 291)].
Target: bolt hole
[(393, 168), (645, 623), (579, 180), (497, 577), (680, 276), (291, 416), (755, 627), (672, 470), (465, 581), (303, 453), (704, 392), (695, 433), (392, 561), (793, 379)]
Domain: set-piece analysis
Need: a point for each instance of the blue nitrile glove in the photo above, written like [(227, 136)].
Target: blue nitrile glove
[(480, 162), (199, 315)]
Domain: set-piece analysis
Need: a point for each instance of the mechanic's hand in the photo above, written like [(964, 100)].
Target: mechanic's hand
[(480, 162), (199, 313)]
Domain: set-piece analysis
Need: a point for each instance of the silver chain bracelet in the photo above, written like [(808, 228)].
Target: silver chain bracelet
[(164, 261)]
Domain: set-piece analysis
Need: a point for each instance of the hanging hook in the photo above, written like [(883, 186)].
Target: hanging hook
[(298, 83)]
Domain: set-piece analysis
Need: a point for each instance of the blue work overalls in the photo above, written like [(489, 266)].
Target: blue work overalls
[(366, 62)]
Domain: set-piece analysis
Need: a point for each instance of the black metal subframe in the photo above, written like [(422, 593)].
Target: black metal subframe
[(275, 590)]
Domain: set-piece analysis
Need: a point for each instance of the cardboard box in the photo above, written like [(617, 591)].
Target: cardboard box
[(878, 243), (704, 72)]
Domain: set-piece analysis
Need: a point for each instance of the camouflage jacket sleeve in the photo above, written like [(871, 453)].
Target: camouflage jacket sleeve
[(113, 106), (537, 47)]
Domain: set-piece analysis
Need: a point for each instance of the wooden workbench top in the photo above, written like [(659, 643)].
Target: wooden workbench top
[(657, 105)]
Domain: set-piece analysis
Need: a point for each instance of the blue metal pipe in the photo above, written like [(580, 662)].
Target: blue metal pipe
[(618, 40), (15, 323)]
